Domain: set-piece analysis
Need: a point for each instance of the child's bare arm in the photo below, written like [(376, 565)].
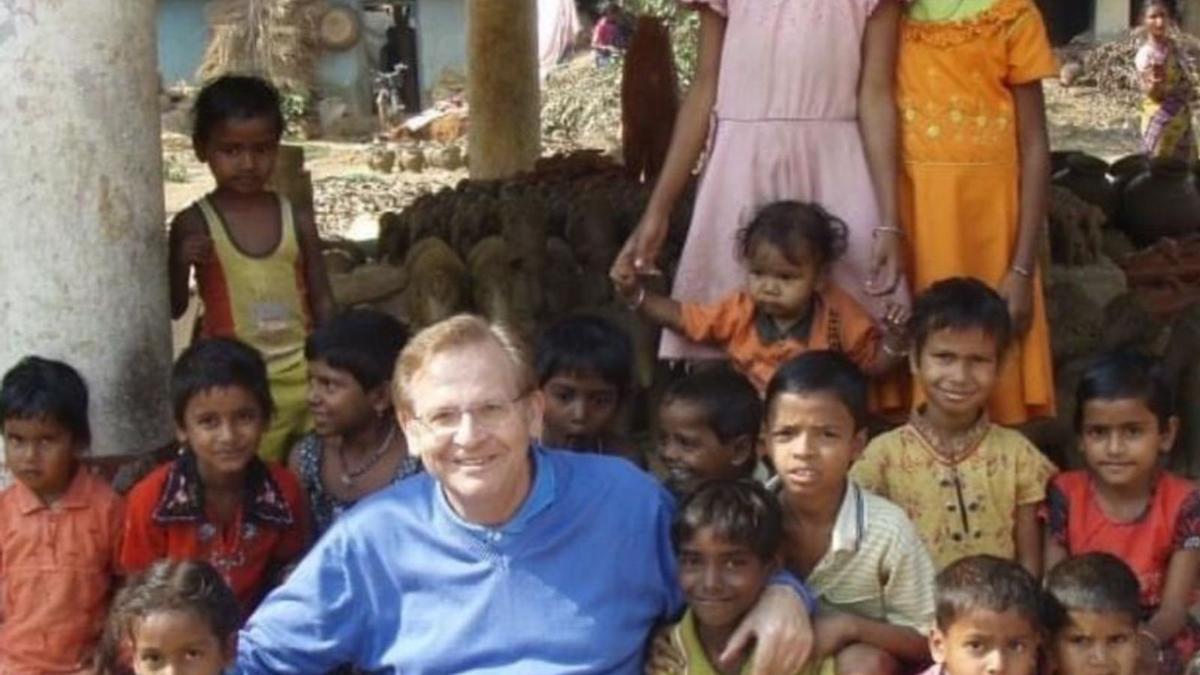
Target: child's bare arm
[(1034, 147), (188, 245), (1053, 552), (659, 309), (320, 296), (836, 631), (1027, 536), (1172, 614), (877, 123)]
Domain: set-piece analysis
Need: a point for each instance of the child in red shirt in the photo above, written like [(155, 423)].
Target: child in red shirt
[(218, 501), (59, 525)]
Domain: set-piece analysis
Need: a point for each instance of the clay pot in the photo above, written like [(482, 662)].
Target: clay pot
[(1161, 202), (1087, 177), (411, 159)]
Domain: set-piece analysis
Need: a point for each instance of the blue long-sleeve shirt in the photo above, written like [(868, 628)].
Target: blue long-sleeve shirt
[(573, 583)]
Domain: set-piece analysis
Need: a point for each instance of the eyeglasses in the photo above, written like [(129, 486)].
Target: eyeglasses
[(488, 416)]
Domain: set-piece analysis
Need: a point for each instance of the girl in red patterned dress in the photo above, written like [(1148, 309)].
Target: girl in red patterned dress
[(1126, 504)]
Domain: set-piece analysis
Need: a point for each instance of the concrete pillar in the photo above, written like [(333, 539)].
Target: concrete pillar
[(82, 241), (1112, 18), (502, 87), (1191, 16)]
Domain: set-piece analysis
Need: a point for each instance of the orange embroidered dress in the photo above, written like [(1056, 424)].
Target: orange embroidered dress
[(959, 195)]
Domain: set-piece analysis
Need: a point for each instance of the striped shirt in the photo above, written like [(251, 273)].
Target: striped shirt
[(876, 565)]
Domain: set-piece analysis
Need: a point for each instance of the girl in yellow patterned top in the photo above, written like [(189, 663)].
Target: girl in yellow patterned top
[(976, 170), (1166, 112)]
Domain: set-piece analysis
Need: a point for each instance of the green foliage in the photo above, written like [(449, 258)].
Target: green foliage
[(684, 24), (297, 107)]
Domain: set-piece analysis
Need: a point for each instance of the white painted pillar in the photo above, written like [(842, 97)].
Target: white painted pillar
[(502, 87), (82, 243), (1112, 18)]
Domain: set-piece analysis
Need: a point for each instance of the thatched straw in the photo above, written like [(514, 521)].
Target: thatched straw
[(275, 39)]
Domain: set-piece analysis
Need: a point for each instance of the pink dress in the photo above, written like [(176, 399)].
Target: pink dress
[(785, 126)]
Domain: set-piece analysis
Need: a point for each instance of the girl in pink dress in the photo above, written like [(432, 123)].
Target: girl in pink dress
[(792, 100)]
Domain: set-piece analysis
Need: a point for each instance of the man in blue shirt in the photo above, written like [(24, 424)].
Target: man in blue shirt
[(503, 557)]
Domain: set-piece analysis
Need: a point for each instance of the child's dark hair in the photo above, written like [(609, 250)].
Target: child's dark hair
[(986, 582), (739, 511), (1093, 582), (795, 227), (238, 97), (362, 342), (583, 343), (960, 303), (1166, 5), (181, 586), (219, 362), (1126, 374), (732, 408), (38, 387), (822, 372)]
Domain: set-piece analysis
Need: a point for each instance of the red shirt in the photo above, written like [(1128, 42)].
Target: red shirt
[(57, 566), (166, 518)]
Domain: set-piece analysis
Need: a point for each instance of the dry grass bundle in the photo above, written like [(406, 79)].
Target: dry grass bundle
[(275, 39)]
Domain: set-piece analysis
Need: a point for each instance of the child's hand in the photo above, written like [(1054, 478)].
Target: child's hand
[(663, 657), (196, 249), (1017, 291), (895, 329), (832, 632), (1148, 654), (628, 287)]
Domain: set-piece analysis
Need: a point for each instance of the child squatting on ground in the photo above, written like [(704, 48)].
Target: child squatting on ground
[(585, 372), (727, 537), (988, 619), (60, 526), (218, 501), (969, 485), (858, 552), (175, 617), (1125, 503), (708, 427), (788, 306), (256, 256)]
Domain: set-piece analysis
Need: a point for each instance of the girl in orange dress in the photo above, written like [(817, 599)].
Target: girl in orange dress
[(975, 168)]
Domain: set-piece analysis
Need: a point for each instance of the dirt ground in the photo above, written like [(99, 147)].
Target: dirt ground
[(349, 195)]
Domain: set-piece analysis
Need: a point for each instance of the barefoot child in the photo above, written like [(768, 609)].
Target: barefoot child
[(708, 424), (1091, 614), (176, 617), (585, 371), (858, 552), (727, 537), (60, 526), (988, 619), (788, 305), (976, 171), (1167, 111), (1125, 503), (257, 259), (355, 448), (969, 485), (219, 502)]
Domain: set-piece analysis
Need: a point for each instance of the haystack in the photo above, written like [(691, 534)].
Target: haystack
[(274, 39)]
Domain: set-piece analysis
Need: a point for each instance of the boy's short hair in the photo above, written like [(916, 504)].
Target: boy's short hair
[(960, 303), (362, 342), (38, 387), (583, 343), (1093, 582), (824, 372), (791, 226), (986, 582), (1125, 374), (237, 97), (732, 408), (219, 362), (740, 511)]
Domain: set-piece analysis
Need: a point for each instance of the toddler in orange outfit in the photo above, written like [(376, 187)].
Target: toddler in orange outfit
[(60, 526)]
